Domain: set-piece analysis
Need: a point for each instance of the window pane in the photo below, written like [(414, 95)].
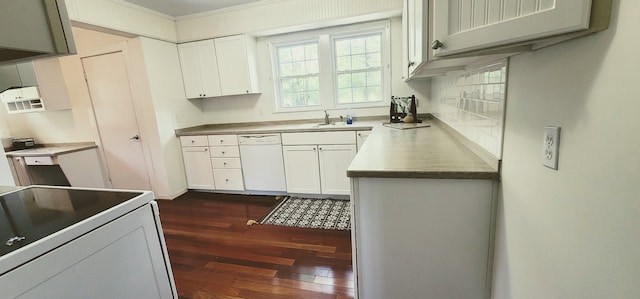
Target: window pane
[(374, 94), (343, 63), (360, 94), (373, 60), (359, 79), (344, 95), (286, 69), (373, 43), (311, 52), (357, 46), (312, 66), (343, 48), (374, 78), (284, 55), (344, 81), (358, 62)]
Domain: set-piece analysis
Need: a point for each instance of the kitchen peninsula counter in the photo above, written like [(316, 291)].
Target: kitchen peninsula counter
[(432, 152)]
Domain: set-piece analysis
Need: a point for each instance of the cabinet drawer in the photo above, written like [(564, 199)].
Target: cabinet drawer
[(223, 163), (225, 152), (194, 141), (223, 140), (228, 179), (44, 160), (342, 137)]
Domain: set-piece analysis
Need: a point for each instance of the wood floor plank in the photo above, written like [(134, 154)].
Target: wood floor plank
[(214, 254)]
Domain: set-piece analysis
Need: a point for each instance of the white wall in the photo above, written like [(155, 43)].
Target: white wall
[(279, 16), (165, 110), (123, 16), (261, 107), (575, 232)]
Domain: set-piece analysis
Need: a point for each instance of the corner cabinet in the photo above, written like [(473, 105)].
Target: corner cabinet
[(219, 67), (447, 35), (466, 26), (199, 69)]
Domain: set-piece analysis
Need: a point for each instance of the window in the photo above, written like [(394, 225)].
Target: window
[(358, 65), (332, 68), (299, 75)]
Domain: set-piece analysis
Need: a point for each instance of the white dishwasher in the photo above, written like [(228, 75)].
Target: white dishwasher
[(262, 162)]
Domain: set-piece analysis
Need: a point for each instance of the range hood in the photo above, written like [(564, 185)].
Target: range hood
[(32, 29)]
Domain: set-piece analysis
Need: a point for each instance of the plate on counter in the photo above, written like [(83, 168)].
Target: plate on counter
[(404, 126)]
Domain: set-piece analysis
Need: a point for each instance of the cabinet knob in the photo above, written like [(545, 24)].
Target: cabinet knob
[(411, 63), (247, 91), (221, 140), (436, 44), (206, 149), (319, 148)]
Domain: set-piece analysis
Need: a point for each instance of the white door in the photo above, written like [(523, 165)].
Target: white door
[(416, 16), (197, 163), (334, 161), (191, 74), (466, 25), (232, 62), (110, 92), (301, 168)]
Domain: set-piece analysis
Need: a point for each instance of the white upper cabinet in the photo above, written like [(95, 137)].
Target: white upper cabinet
[(416, 28), (237, 64), (43, 84), (466, 25), (200, 69), (219, 67)]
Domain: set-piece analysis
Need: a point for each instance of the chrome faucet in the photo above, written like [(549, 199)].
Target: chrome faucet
[(326, 118)]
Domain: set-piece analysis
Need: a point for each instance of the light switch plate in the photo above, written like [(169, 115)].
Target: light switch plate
[(550, 147)]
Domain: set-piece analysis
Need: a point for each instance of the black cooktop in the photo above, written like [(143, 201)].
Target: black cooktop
[(31, 214)]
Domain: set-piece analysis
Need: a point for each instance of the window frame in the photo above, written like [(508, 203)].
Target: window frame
[(385, 64), (325, 39)]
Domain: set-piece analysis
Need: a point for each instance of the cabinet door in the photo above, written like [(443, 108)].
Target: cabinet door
[(417, 28), (209, 69), (199, 69), (361, 137), (190, 64), (468, 25), (234, 65), (334, 161), (197, 165), (301, 168)]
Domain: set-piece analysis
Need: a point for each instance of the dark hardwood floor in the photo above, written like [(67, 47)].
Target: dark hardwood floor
[(214, 254)]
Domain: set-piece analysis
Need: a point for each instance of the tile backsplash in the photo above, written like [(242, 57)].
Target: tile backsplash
[(473, 103)]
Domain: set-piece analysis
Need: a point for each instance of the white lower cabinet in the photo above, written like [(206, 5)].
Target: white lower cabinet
[(422, 238), (197, 165), (301, 168), (316, 163), (334, 161)]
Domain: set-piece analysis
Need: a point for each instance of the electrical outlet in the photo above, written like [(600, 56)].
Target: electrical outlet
[(550, 146)]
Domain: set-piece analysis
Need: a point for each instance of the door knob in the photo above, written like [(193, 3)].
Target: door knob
[(436, 44), (136, 137)]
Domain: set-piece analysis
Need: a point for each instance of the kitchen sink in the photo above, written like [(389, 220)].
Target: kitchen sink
[(338, 124)]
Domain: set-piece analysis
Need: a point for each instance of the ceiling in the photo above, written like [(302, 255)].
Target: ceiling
[(178, 8)]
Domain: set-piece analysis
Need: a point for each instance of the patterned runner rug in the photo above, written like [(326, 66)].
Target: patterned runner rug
[(311, 213)]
